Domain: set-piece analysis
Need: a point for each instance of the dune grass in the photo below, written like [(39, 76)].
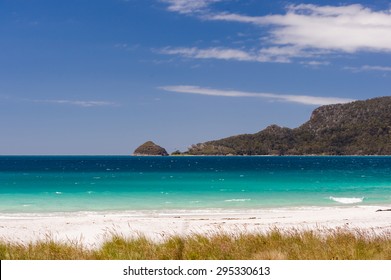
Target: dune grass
[(338, 244)]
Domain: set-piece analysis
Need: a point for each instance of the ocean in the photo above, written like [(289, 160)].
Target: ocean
[(45, 184)]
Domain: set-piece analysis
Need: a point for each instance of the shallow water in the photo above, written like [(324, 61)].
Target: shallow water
[(30, 184)]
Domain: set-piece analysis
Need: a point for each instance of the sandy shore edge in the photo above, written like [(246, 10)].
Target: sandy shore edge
[(93, 228)]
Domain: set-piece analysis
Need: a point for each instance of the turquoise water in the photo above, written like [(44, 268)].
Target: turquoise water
[(30, 184)]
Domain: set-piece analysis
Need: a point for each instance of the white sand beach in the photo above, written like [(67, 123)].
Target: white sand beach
[(92, 228)]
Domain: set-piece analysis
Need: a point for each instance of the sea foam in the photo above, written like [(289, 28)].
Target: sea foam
[(347, 200)]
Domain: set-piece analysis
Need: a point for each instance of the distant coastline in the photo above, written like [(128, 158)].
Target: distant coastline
[(222, 155), (359, 128)]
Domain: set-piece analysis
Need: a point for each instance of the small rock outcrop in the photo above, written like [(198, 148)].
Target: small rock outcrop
[(150, 149)]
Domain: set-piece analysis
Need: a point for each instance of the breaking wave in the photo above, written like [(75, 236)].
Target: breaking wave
[(347, 200), (237, 200)]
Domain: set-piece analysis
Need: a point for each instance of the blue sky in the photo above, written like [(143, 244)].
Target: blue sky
[(104, 76)]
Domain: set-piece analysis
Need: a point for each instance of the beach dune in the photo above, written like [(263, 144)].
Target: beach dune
[(91, 229)]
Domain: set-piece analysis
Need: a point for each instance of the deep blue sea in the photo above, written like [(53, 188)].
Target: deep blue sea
[(31, 184)]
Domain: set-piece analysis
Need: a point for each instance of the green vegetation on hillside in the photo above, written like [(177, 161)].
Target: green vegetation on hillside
[(356, 128), (150, 149)]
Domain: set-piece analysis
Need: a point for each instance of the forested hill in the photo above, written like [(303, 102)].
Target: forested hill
[(356, 128)]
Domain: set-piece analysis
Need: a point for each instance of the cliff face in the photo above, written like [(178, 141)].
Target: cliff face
[(150, 149), (356, 128)]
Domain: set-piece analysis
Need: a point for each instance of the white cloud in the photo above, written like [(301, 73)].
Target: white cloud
[(369, 68), (79, 103), (235, 17), (316, 63), (286, 53), (302, 99), (215, 53), (271, 54), (338, 28), (188, 6), (304, 31), (348, 28)]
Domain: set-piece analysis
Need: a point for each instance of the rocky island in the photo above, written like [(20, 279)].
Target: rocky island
[(356, 128), (150, 149)]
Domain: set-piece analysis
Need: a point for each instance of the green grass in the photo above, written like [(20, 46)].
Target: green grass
[(336, 244)]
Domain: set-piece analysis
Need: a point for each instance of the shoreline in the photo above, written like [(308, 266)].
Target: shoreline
[(91, 229)]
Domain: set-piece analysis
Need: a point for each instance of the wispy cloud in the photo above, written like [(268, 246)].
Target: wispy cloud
[(215, 53), (79, 103), (369, 68), (315, 63), (301, 99), (304, 31), (127, 47), (188, 6), (271, 54)]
